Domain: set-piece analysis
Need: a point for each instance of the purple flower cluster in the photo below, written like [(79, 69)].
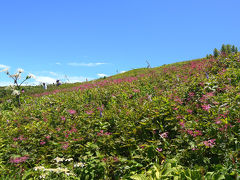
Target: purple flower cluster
[(210, 143), (18, 160), (164, 135), (194, 133), (206, 107), (72, 111), (101, 133)]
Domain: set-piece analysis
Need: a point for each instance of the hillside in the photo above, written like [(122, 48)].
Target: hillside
[(179, 120)]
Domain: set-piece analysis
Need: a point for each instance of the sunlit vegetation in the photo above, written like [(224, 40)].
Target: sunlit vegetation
[(180, 120)]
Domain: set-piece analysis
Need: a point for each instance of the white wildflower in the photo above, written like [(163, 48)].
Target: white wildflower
[(43, 176), (16, 92), (9, 100), (32, 76), (39, 168), (68, 174), (57, 170), (70, 159), (65, 170), (20, 70), (15, 76), (58, 159), (80, 164)]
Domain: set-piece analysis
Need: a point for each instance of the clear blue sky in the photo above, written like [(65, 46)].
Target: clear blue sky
[(86, 39)]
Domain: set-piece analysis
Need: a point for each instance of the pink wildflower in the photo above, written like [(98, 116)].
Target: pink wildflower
[(191, 94), (190, 132), (107, 133), (101, 133), (21, 138), (73, 130), (89, 112), (42, 142), (224, 128), (179, 117), (100, 108), (63, 118), (210, 94), (197, 133), (194, 133), (210, 143), (72, 111), (182, 123), (65, 145), (177, 99), (18, 160), (164, 135), (218, 122), (136, 90), (206, 107), (104, 159), (159, 149), (115, 159)]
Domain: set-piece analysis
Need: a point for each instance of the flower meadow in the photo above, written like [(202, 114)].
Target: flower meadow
[(178, 121)]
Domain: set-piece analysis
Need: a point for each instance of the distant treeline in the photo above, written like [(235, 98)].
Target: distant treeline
[(225, 49)]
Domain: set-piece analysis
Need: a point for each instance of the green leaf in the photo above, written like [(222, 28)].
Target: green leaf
[(139, 177)]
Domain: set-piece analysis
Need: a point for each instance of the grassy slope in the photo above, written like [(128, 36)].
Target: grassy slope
[(127, 123)]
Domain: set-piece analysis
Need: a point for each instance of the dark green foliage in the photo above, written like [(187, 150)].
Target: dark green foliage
[(229, 49), (224, 48), (233, 49), (215, 53), (236, 50)]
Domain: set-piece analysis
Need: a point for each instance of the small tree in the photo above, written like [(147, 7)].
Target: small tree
[(16, 87), (215, 53), (229, 49), (236, 50), (224, 49), (233, 49)]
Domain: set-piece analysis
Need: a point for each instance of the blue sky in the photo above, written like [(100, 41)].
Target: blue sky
[(87, 39)]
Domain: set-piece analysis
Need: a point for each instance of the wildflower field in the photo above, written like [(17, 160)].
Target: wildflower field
[(178, 121)]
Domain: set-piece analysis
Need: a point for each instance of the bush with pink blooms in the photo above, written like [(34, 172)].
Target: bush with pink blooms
[(180, 120)]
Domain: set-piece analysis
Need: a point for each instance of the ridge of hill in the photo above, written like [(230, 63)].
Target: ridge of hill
[(179, 120), (5, 93)]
